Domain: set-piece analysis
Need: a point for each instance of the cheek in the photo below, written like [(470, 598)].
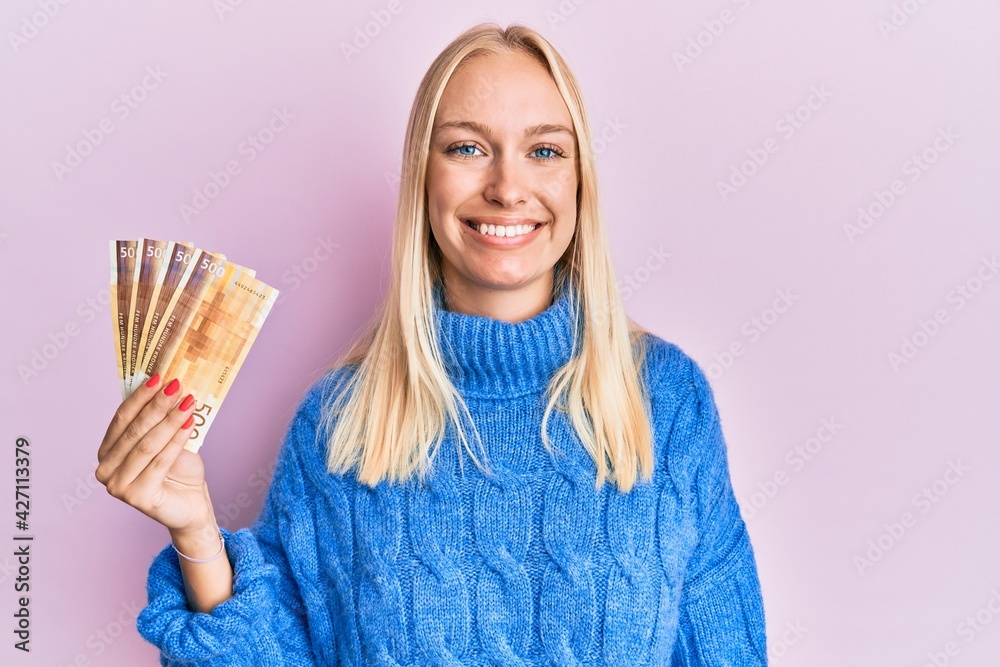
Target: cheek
[(445, 191), (560, 192)]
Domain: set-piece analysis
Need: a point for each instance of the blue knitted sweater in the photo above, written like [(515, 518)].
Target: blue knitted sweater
[(531, 567)]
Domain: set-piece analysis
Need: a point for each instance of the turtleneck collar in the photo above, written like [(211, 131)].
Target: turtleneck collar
[(491, 358)]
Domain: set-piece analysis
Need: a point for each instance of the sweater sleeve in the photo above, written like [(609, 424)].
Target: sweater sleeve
[(265, 622), (721, 620)]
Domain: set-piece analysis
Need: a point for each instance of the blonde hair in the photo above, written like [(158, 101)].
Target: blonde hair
[(389, 419)]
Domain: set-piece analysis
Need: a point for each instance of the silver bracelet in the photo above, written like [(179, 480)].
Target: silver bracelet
[(222, 549)]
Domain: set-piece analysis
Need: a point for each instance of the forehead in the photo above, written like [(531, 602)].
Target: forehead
[(502, 90)]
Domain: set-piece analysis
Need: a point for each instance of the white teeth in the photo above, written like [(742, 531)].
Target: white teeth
[(505, 231)]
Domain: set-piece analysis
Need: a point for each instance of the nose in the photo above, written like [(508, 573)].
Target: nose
[(506, 182)]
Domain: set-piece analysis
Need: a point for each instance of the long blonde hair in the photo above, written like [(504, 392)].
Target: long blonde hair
[(389, 418)]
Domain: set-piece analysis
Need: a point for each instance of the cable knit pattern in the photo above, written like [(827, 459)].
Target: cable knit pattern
[(441, 615), (378, 529), (569, 520), (530, 565), (502, 528)]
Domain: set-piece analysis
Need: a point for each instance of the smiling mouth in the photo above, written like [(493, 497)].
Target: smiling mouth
[(502, 231)]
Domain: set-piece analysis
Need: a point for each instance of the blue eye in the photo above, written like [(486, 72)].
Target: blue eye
[(458, 150), (467, 150), (554, 152)]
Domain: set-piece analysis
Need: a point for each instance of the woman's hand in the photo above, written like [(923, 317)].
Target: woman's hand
[(142, 460)]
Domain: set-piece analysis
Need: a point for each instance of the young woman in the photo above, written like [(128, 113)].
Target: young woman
[(505, 470)]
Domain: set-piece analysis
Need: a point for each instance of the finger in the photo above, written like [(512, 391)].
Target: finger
[(151, 477), (127, 411), (152, 413), (154, 442)]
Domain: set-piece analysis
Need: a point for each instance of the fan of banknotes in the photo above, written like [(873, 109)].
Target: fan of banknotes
[(184, 313)]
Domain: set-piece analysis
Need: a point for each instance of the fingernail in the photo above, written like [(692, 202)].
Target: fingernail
[(187, 424), (172, 388), (186, 403), (153, 380)]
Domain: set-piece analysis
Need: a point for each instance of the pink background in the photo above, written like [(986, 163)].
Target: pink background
[(671, 132)]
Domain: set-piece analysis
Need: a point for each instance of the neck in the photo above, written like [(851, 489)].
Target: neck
[(490, 357), (508, 305)]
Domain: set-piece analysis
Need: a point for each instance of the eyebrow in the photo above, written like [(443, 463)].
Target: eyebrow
[(542, 128)]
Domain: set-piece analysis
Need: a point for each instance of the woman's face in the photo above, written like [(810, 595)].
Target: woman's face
[(502, 155)]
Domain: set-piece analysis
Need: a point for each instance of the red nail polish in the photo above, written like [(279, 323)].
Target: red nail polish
[(153, 380), (186, 403), (172, 388), (187, 424)]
